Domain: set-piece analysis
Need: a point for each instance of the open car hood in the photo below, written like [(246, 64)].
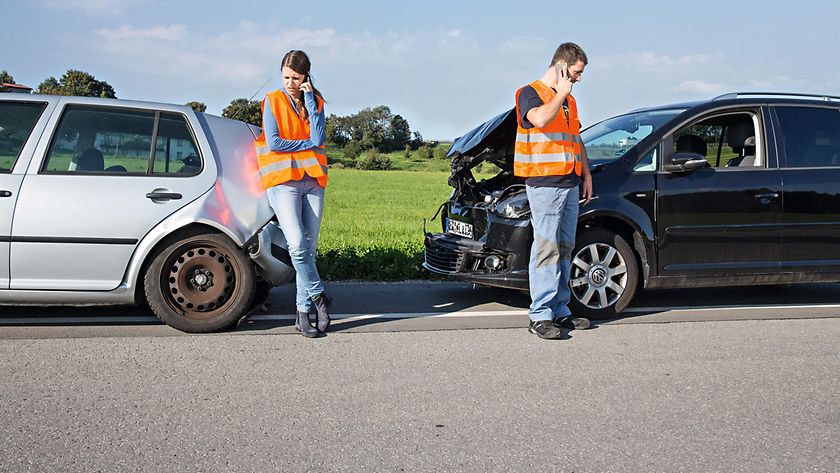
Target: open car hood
[(491, 141)]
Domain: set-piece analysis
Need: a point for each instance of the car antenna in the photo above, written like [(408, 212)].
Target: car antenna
[(242, 106)]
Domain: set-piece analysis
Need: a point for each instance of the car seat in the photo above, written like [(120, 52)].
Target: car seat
[(90, 159), (737, 138), (749, 153), (692, 144)]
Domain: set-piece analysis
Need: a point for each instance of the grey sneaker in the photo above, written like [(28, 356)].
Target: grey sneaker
[(572, 323), (545, 329)]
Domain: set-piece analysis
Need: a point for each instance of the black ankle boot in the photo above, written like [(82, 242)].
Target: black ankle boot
[(322, 304), (303, 326)]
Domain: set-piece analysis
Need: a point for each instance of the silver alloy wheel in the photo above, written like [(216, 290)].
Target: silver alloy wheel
[(598, 275)]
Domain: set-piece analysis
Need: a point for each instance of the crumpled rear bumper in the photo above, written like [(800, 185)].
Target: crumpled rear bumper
[(271, 255)]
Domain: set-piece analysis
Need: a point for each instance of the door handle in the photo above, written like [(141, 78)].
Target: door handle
[(5, 193), (163, 194)]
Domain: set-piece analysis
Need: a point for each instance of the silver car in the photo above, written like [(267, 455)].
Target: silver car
[(117, 202)]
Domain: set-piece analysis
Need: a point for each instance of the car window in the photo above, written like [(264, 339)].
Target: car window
[(648, 163), (176, 152), (727, 140), (611, 138), (810, 136), (101, 140), (17, 119)]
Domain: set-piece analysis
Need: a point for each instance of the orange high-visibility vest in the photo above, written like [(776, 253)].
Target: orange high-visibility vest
[(553, 150), (279, 167)]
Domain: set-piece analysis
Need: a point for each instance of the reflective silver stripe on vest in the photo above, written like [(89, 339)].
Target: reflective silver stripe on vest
[(291, 163), (546, 158), (544, 137), (261, 150), (576, 139)]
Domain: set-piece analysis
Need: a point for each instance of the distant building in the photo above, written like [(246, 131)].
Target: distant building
[(629, 141), (15, 88)]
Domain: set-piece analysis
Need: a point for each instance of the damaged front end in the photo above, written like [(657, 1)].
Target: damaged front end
[(486, 233)]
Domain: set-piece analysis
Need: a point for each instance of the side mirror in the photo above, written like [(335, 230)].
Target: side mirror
[(685, 161)]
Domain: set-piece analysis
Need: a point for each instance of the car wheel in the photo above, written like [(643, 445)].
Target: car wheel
[(200, 283), (604, 275)]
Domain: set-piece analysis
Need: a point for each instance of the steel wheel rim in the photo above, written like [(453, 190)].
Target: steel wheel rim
[(199, 280), (598, 275)]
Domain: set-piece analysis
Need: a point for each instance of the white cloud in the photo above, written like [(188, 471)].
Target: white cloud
[(701, 87), (91, 7), (413, 72), (166, 33), (651, 59)]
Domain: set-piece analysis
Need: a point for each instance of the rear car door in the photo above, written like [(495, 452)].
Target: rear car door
[(808, 138), (21, 122), (724, 219), (95, 187)]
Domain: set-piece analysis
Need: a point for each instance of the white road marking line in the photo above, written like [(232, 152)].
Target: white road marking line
[(405, 315), (632, 310)]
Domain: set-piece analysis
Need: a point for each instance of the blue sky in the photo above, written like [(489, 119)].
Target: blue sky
[(446, 66)]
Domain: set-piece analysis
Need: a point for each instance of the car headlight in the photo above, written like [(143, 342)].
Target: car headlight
[(515, 206)]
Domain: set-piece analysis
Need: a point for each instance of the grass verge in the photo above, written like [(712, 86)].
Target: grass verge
[(373, 223)]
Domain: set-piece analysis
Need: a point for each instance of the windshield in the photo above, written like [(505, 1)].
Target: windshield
[(611, 138)]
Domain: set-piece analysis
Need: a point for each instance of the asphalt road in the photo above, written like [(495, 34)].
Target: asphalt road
[(420, 306), (703, 380)]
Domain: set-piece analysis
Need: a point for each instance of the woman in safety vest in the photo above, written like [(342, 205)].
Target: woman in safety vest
[(293, 167)]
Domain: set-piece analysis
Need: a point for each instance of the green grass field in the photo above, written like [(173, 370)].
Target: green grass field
[(373, 223)]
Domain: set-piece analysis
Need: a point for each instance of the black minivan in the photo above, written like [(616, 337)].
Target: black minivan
[(741, 189)]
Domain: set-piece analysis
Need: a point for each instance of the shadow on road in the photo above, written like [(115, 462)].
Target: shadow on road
[(360, 305)]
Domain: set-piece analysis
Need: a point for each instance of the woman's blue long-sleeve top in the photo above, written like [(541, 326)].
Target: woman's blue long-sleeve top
[(317, 127)]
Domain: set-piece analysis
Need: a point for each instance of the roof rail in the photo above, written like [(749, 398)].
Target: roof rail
[(735, 95)]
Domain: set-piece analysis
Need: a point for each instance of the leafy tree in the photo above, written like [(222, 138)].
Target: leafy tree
[(369, 126), (416, 140), (399, 133), (353, 149), (197, 106), (6, 78), (337, 130), (440, 151), (425, 152), (79, 83), (375, 127), (373, 161), (244, 110)]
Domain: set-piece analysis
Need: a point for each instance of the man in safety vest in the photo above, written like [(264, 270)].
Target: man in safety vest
[(551, 157)]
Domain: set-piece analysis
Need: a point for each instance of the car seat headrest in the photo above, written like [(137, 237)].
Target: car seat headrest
[(692, 143), (90, 159)]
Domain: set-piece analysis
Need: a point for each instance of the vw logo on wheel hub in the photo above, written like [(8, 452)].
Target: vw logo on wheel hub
[(598, 276)]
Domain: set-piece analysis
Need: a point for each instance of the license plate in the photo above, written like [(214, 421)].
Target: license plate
[(460, 228)]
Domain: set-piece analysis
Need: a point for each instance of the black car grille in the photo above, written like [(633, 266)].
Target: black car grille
[(443, 258)]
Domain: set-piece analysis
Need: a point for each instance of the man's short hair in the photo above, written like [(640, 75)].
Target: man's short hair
[(571, 53)]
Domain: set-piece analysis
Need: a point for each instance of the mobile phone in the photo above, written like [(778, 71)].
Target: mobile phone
[(562, 67)]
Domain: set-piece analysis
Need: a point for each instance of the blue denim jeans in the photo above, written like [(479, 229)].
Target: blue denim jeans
[(299, 206), (554, 213)]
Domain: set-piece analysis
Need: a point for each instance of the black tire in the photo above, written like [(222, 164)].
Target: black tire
[(200, 283), (604, 275)]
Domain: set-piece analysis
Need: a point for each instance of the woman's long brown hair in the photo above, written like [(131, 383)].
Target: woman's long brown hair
[(298, 61)]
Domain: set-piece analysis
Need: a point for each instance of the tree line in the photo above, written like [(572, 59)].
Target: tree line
[(373, 128)]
